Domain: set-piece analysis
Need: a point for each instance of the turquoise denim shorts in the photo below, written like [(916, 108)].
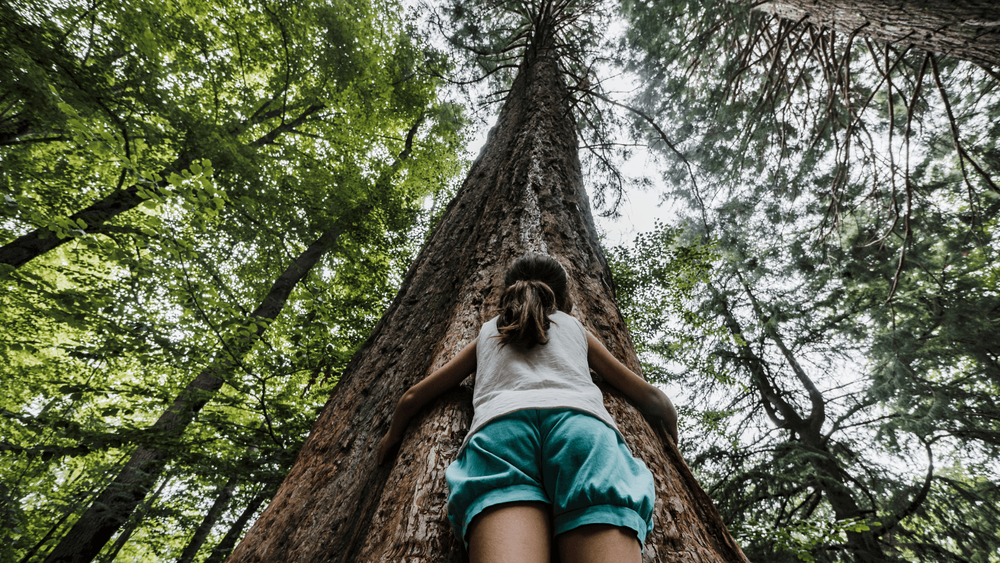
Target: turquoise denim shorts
[(563, 457)]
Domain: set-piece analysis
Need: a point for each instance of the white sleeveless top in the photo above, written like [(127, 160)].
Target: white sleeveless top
[(547, 376)]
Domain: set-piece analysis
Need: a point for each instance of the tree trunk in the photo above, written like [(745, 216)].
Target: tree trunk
[(52, 530), (134, 522), (964, 29), (220, 551), (114, 505), (830, 476), (201, 534), (524, 193)]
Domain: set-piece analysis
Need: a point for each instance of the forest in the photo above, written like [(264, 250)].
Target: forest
[(232, 234)]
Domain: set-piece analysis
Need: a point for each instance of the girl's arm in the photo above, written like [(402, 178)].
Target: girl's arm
[(443, 379), (649, 399)]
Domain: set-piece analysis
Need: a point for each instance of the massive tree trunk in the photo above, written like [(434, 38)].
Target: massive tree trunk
[(524, 193), (965, 29)]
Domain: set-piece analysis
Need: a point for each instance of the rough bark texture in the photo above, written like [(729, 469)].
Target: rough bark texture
[(965, 29), (524, 193), (116, 502)]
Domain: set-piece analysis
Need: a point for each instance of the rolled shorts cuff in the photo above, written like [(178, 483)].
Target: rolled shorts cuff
[(514, 493), (622, 516)]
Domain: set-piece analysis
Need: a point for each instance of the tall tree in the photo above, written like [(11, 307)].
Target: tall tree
[(525, 192), (112, 508)]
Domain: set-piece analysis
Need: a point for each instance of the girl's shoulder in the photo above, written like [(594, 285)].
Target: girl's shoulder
[(565, 317), (568, 322), (489, 326)]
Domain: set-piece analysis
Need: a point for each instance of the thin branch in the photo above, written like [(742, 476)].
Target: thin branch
[(962, 153)]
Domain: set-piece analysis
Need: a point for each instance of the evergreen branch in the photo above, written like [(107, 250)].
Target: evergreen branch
[(468, 82), (918, 499), (908, 233), (646, 117), (770, 399), (818, 413), (993, 74)]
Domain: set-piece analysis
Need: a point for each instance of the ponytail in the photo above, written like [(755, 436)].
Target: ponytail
[(525, 307)]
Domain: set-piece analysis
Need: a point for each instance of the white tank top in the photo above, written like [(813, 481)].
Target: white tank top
[(547, 376)]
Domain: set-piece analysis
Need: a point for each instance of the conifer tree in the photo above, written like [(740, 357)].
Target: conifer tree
[(525, 192)]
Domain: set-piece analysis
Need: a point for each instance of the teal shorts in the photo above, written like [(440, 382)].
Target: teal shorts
[(562, 457)]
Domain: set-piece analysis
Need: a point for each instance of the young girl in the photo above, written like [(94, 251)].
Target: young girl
[(543, 457)]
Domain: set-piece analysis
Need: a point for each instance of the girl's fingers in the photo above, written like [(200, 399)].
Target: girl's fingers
[(384, 447)]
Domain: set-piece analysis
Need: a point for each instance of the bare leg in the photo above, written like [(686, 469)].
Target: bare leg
[(516, 532), (599, 543)]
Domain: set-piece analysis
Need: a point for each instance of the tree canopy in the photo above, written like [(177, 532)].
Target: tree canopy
[(837, 350)]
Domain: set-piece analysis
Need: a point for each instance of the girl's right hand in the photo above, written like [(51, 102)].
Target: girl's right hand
[(386, 446)]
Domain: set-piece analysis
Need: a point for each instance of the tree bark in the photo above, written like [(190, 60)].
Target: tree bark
[(964, 29), (524, 193), (114, 505), (201, 533)]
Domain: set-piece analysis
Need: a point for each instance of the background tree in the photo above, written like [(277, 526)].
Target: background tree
[(966, 29)]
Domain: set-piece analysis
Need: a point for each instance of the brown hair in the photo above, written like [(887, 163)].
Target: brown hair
[(535, 287)]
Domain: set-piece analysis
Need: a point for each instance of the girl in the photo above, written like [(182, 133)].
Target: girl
[(543, 457)]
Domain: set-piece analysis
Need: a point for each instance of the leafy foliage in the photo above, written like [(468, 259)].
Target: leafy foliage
[(656, 278)]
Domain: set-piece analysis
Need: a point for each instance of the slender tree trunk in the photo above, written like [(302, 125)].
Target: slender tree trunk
[(965, 29), (201, 534), (222, 550), (114, 505), (134, 522), (524, 193), (52, 530)]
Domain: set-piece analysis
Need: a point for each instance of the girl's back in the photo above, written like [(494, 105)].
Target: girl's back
[(545, 376)]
